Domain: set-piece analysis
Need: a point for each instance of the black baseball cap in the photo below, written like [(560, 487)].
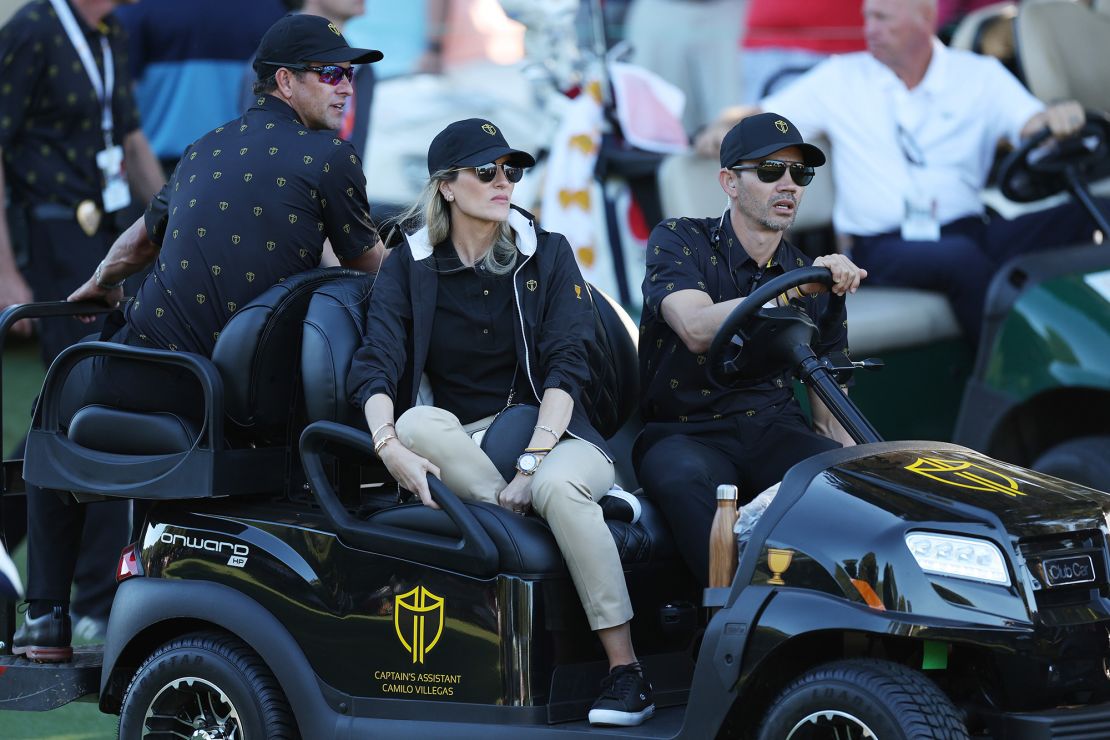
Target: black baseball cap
[(763, 134), (472, 143), (299, 37)]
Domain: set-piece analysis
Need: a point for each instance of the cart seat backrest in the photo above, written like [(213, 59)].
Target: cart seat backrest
[(258, 355), (333, 329)]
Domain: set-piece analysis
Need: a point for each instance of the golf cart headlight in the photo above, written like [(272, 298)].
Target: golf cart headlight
[(962, 557)]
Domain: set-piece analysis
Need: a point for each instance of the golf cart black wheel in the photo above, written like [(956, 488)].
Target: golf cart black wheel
[(854, 699), (205, 686), (1083, 460)]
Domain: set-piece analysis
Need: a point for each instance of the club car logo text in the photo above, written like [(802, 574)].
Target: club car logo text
[(237, 553)]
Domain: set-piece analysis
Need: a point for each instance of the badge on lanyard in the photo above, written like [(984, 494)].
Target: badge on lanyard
[(115, 194), (919, 222)]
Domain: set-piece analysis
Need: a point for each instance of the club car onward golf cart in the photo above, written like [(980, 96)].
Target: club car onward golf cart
[(891, 590)]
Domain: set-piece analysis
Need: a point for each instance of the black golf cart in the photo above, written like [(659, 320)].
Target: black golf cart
[(891, 590)]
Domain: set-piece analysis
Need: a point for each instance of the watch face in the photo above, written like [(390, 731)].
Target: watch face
[(527, 462)]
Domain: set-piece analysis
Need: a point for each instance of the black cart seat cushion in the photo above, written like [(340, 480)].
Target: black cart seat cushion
[(258, 353), (108, 429), (614, 390), (526, 546), (333, 328)]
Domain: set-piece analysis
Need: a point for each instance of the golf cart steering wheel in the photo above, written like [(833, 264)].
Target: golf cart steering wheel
[(757, 341), (1037, 170)]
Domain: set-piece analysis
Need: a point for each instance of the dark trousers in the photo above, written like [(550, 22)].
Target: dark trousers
[(55, 521), (969, 252), (684, 463)]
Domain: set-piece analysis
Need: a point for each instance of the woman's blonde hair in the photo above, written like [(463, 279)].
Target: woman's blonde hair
[(431, 210)]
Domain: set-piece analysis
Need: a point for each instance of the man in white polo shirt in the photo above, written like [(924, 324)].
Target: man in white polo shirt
[(914, 126)]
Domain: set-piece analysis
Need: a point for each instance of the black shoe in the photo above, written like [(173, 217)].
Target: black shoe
[(620, 505), (45, 638), (625, 700)]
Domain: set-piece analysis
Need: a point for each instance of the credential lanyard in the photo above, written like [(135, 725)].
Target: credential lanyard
[(102, 86)]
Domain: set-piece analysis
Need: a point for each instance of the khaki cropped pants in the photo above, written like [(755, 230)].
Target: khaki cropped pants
[(564, 489)]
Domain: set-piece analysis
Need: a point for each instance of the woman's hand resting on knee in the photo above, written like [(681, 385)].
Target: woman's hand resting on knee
[(517, 496), (410, 470)]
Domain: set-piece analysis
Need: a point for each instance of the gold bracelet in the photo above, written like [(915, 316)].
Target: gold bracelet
[(374, 434), (381, 443), (538, 449)]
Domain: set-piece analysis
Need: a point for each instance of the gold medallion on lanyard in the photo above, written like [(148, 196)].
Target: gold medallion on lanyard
[(88, 217)]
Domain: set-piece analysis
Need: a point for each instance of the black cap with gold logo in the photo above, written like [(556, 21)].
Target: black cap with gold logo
[(763, 134), (472, 143), (299, 37)]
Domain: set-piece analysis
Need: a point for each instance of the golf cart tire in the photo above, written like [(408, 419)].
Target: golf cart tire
[(893, 701), (1083, 460), (228, 666)]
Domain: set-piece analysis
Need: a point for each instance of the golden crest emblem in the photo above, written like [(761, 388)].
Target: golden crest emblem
[(159, 312), (175, 232), (184, 264), (271, 246), (292, 218), (418, 621), (333, 29), (242, 128), (307, 159), (532, 285), (489, 129), (217, 175), (216, 152), (201, 232), (273, 150), (257, 210), (674, 383), (231, 306), (346, 228), (222, 205), (248, 177), (193, 155), (578, 292), (250, 277), (782, 126), (281, 182), (778, 560), (303, 253), (192, 202), (216, 270), (201, 298), (235, 239), (242, 151), (965, 475)]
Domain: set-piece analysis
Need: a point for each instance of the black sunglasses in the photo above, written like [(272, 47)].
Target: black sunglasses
[(487, 172), (771, 170), (330, 74)]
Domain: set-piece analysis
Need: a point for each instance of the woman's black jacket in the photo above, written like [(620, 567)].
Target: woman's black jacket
[(554, 323)]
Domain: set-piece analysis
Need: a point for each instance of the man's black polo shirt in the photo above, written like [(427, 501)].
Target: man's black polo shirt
[(472, 359), (249, 204), (683, 255), (49, 113)]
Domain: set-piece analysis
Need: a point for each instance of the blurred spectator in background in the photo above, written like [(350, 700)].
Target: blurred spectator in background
[(186, 60), (783, 40), (951, 12), (68, 125), (691, 44), (914, 128)]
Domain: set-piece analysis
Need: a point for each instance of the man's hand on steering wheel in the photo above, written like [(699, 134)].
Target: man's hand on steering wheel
[(846, 275), (1064, 119)]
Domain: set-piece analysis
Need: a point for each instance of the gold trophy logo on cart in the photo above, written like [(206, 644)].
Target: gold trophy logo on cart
[(778, 561)]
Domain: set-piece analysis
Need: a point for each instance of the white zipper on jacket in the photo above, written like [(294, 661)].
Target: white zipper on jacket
[(527, 362)]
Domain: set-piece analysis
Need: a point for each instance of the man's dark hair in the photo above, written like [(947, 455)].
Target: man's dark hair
[(266, 85)]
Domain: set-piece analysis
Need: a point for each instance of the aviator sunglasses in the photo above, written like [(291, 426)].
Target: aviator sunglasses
[(330, 74), (487, 172), (771, 170)]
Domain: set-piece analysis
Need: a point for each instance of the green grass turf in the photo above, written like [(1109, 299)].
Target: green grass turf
[(22, 377)]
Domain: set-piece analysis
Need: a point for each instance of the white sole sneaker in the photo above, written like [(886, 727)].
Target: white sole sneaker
[(620, 719)]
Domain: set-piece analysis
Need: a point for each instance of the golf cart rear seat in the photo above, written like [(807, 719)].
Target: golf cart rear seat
[(251, 390), (332, 334)]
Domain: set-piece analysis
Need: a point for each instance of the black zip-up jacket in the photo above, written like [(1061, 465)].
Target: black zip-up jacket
[(554, 323)]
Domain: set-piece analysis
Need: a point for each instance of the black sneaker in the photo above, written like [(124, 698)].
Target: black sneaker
[(45, 638), (625, 700), (620, 505)]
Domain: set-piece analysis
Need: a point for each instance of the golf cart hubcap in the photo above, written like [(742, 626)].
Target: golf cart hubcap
[(192, 708), (830, 724)]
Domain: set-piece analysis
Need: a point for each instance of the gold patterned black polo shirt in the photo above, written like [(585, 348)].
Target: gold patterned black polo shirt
[(249, 204), (683, 254), (49, 112)]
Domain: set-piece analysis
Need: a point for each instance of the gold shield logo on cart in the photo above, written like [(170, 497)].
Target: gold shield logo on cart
[(965, 475), (418, 620)]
